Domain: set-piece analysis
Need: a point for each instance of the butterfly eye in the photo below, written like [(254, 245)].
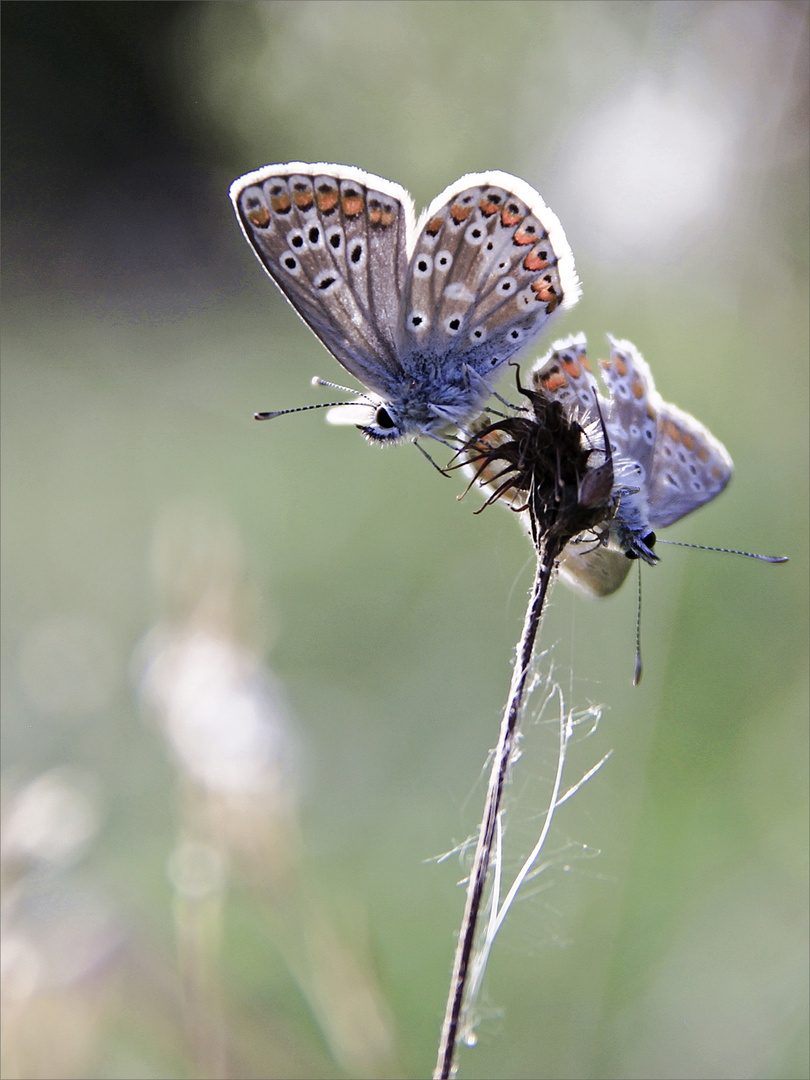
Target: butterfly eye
[(648, 541), (383, 419)]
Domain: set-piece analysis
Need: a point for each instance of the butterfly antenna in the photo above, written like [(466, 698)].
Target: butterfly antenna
[(301, 408), (318, 381), (638, 670), (727, 551)]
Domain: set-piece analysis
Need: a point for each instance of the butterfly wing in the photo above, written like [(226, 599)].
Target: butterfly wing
[(564, 374), (490, 266), (690, 467), (596, 571), (684, 466), (633, 410), (335, 240)]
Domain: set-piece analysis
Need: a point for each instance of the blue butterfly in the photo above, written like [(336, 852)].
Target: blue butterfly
[(425, 314)]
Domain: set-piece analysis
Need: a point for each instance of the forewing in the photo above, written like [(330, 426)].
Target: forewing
[(565, 375), (633, 410), (490, 266), (335, 240)]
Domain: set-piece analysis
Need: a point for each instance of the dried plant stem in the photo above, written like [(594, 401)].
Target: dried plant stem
[(504, 751)]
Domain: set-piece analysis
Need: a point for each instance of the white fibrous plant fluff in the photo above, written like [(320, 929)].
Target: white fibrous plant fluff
[(547, 463)]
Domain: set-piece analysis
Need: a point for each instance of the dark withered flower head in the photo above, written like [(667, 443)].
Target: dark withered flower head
[(540, 461)]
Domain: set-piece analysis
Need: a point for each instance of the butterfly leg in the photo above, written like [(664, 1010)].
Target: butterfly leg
[(424, 452)]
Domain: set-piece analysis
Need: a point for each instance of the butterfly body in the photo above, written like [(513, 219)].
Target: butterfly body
[(424, 314)]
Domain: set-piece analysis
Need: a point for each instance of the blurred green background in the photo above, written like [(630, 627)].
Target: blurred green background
[(251, 673)]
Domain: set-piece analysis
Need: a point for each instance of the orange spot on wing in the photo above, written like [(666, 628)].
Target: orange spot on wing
[(554, 380), (544, 291), (327, 199), (511, 216), (585, 362), (638, 389), (522, 237), (281, 203), (352, 203), (672, 431), (572, 367), (535, 260), (703, 453), (488, 207), (620, 366), (433, 226), (260, 217), (380, 216), (460, 213), (304, 200), (688, 441)]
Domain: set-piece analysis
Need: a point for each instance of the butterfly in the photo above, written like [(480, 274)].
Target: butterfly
[(424, 314), (650, 464)]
